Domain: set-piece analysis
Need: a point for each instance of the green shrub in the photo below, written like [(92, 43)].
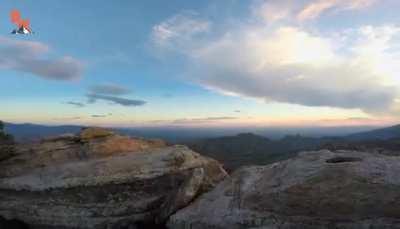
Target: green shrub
[(3, 135), (6, 143)]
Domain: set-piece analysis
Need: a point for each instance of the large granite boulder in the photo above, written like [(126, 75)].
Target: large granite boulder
[(316, 190), (98, 179)]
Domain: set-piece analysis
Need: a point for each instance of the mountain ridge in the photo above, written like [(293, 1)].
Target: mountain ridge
[(32, 131), (381, 133)]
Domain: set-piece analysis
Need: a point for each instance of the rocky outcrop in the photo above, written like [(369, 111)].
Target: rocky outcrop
[(316, 190), (7, 149), (98, 179), (12, 224)]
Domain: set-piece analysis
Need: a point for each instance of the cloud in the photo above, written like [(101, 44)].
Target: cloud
[(77, 104), (195, 120), (67, 118), (201, 120), (304, 10), (117, 100), (315, 8), (290, 64), (109, 89), (272, 11), (99, 116), (111, 92), (184, 26), (357, 121), (30, 57)]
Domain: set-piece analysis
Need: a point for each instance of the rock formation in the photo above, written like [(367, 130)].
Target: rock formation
[(6, 144), (316, 190), (12, 224), (7, 150), (98, 179)]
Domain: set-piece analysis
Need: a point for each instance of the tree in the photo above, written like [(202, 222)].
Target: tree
[(2, 133), (6, 144), (4, 137)]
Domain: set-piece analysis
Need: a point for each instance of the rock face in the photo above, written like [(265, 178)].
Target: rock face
[(6, 146), (6, 151), (12, 224), (98, 179), (316, 190)]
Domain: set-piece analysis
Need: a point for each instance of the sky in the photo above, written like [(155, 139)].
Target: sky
[(202, 63)]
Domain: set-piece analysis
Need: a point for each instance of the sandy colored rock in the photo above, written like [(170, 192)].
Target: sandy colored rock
[(117, 144), (316, 190), (93, 133), (102, 182)]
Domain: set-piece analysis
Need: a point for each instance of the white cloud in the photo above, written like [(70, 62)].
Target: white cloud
[(272, 11), (183, 26), (315, 8), (289, 64), (196, 121), (303, 10)]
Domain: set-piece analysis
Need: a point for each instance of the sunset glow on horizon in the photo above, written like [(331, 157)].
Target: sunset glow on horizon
[(261, 63)]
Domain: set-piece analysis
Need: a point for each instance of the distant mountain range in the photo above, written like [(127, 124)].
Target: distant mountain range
[(32, 132), (378, 134), (29, 132), (236, 150), (250, 149)]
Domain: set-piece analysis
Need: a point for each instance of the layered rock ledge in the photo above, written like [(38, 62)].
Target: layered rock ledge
[(98, 179), (316, 190)]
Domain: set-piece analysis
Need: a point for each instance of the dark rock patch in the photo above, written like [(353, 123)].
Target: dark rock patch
[(12, 224), (343, 159)]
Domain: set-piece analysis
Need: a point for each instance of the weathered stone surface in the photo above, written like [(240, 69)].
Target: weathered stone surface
[(93, 133), (6, 151), (12, 224), (316, 190), (102, 181), (6, 146)]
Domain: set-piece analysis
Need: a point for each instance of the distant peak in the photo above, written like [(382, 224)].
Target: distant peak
[(250, 135), (247, 135)]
